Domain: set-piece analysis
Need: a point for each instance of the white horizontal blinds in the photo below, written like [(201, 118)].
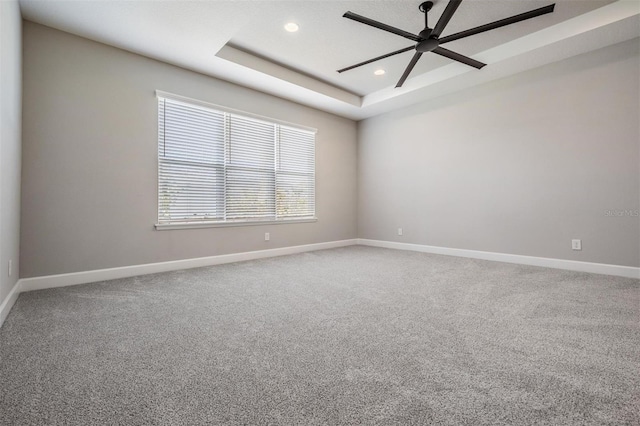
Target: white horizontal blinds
[(190, 163), (216, 166), (250, 169), (296, 173)]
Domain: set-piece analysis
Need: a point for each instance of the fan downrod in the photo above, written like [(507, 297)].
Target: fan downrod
[(424, 8), (428, 43)]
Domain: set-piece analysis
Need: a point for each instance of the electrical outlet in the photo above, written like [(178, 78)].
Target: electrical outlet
[(10, 267), (576, 244), (266, 236), (399, 231)]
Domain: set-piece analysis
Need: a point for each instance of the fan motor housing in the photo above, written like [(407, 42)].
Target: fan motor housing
[(427, 45)]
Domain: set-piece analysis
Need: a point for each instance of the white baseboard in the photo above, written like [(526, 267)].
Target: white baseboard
[(571, 265), (74, 278), (9, 301), (63, 280)]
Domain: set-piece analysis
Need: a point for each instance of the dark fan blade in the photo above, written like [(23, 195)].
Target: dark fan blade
[(498, 24), (458, 57), (409, 68), (406, 49), (446, 17), (381, 26)]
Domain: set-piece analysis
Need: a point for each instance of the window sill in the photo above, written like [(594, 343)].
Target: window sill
[(196, 225)]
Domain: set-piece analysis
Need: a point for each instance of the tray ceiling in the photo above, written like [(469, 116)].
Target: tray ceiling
[(245, 42)]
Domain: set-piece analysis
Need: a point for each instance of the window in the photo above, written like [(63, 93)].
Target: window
[(221, 167)]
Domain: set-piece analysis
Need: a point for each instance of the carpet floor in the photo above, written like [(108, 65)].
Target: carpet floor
[(356, 335)]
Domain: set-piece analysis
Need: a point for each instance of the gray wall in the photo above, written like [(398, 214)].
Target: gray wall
[(10, 140), (522, 165), (90, 163)]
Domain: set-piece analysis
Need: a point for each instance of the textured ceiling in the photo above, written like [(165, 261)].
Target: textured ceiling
[(244, 42), (327, 42)]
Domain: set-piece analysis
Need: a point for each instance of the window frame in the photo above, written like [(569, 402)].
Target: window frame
[(233, 222)]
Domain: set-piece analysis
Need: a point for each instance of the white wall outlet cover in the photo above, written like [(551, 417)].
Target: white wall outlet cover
[(399, 231), (266, 236), (576, 244)]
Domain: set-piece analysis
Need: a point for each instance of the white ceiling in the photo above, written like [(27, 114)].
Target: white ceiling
[(244, 42)]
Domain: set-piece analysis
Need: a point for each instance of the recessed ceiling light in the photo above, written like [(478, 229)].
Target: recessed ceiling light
[(379, 72), (292, 27)]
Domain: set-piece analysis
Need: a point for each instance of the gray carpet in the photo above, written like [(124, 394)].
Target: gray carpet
[(356, 335)]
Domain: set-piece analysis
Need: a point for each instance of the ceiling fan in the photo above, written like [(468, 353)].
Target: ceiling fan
[(428, 40)]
